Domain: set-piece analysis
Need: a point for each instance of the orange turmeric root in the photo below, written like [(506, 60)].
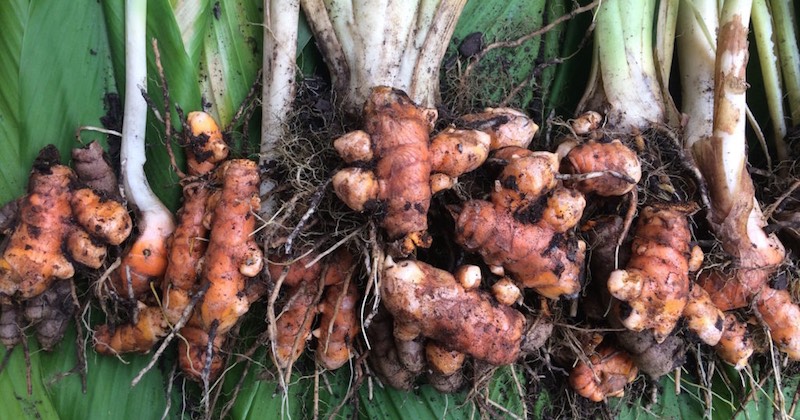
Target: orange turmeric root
[(781, 316), (193, 353), (132, 338), (608, 372), (525, 230), (445, 373), (735, 346), (34, 256), (338, 326), (408, 167), (655, 285), (187, 245), (617, 167), (703, 318), (53, 219), (430, 302), (232, 254), (293, 326), (505, 127), (206, 146), (143, 264), (398, 131)]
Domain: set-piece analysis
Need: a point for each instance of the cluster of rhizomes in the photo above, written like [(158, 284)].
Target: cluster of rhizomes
[(210, 272), (64, 223), (206, 271), (524, 231), (527, 235)]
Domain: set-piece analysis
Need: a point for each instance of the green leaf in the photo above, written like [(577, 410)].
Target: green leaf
[(14, 396), (259, 399), (13, 21), (726, 398), (48, 91), (232, 56), (108, 395), (427, 403), (503, 69)]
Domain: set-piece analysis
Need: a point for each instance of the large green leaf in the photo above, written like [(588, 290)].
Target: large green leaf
[(232, 56), (54, 74), (108, 395), (427, 403), (726, 397), (500, 71)]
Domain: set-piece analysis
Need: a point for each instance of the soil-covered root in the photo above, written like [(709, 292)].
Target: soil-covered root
[(193, 353), (782, 317), (653, 358), (58, 223), (703, 317), (339, 325), (232, 255), (398, 132), (93, 167), (293, 323), (605, 375), (445, 372), (132, 338), (50, 313), (205, 145), (506, 127), (383, 356), (396, 167), (736, 346), (526, 230), (615, 167), (430, 302), (654, 286), (11, 323), (187, 246)]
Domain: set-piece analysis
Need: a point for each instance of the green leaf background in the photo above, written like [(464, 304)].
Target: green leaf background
[(61, 58)]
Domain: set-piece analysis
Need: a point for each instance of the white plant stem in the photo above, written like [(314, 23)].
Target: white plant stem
[(392, 43), (714, 88), (280, 51), (625, 82), (154, 218), (698, 24)]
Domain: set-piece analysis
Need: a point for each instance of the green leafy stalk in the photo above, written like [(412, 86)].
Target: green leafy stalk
[(785, 20), (667, 19), (770, 74), (625, 83), (698, 24)]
